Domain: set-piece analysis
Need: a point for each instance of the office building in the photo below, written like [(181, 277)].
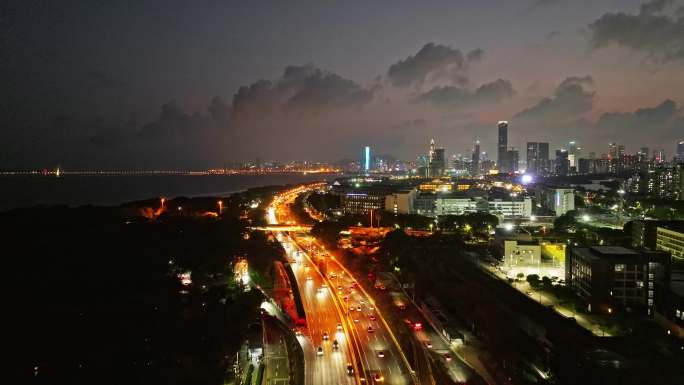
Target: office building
[(670, 238), (367, 160), (512, 160), (621, 151), (475, 162), (613, 278), (612, 151), (436, 161), (455, 205), (502, 144), (562, 163), (543, 166), (532, 159), (645, 232), (514, 208), (679, 157), (557, 200), (400, 202)]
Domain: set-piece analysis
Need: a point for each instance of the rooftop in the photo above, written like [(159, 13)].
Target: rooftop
[(613, 250)]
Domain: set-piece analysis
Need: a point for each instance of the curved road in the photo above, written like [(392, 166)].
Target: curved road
[(372, 352)]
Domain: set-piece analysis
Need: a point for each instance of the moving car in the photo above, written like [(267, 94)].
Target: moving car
[(372, 317), (325, 336), (335, 345), (370, 329), (339, 327), (319, 351), (358, 308), (378, 378), (350, 369), (428, 344), (381, 354), (447, 357)]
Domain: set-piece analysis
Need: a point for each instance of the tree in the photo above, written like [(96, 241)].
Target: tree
[(565, 221), (533, 280)]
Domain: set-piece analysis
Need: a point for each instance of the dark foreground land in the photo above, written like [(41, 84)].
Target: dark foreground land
[(93, 295)]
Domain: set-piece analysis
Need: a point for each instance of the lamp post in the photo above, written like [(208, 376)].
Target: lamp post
[(220, 205)]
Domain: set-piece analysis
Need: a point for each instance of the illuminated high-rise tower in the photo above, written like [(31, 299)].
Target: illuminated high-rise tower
[(366, 160), (475, 164), (502, 147), (679, 155)]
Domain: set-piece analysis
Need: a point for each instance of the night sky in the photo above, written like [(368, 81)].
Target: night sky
[(193, 84)]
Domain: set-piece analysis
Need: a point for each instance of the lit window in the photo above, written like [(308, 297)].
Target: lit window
[(619, 267)]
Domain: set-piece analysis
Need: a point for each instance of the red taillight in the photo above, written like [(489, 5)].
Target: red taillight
[(417, 326)]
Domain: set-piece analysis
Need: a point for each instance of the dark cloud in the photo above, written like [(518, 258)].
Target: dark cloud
[(571, 100), (304, 90), (458, 97), (651, 31), (664, 121), (220, 110), (432, 61)]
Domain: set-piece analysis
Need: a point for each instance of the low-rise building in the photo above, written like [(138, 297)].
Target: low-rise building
[(400, 202), (670, 238), (514, 208), (644, 232), (612, 278), (457, 204), (558, 200)]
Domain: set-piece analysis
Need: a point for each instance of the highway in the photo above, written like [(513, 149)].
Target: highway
[(322, 317), (332, 302)]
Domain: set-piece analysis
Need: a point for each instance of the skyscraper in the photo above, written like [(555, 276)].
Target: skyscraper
[(621, 151), (543, 158), (437, 161), (512, 157), (680, 151), (532, 157), (562, 162), (475, 164), (502, 147), (366, 160), (612, 150)]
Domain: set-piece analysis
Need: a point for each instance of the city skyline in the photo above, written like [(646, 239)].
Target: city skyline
[(446, 79)]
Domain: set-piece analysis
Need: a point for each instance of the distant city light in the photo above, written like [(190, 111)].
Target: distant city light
[(586, 218), (508, 226), (526, 179), (185, 278)]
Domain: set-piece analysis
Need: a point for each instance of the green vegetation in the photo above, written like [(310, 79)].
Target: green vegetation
[(98, 298), (323, 202), (470, 223)]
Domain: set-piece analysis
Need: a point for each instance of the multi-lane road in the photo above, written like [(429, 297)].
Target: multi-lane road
[(335, 305)]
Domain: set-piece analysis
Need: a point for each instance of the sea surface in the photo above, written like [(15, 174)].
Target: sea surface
[(77, 190)]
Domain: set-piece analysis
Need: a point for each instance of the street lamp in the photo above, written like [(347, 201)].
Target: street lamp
[(220, 205)]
